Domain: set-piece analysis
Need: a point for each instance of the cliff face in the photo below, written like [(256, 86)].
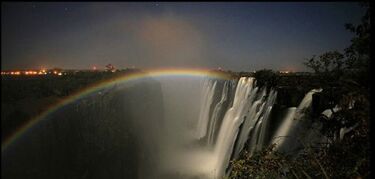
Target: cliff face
[(290, 87), (114, 133), (109, 134)]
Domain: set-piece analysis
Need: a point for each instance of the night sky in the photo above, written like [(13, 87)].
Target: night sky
[(233, 36)]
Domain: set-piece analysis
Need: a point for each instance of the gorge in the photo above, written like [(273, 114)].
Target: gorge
[(161, 127)]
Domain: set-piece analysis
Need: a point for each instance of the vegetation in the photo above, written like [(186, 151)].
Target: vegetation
[(266, 77), (344, 78), (23, 97)]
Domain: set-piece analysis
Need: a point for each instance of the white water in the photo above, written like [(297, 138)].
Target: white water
[(208, 91), (246, 122), (215, 114), (249, 106), (194, 138), (288, 136)]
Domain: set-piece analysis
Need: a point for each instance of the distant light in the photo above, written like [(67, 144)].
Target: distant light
[(55, 72), (59, 74), (286, 72)]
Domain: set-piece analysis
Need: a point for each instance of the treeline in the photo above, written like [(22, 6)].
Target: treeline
[(344, 78), (24, 97)]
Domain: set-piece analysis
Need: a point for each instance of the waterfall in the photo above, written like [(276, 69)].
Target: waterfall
[(288, 137), (216, 113), (209, 87), (245, 121), (234, 115), (286, 124), (265, 120), (249, 106)]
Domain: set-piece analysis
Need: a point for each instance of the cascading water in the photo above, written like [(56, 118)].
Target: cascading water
[(231, 123), (216, 113), (288, 137), (246, 120), (249, 107), (208, 89), (234, 115)]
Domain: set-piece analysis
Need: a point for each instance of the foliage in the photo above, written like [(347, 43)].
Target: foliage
[(266, 77), (334, 161), (349, 75), (352, 90), (344, 78), (332, 61), (358, 53), (272, 164)]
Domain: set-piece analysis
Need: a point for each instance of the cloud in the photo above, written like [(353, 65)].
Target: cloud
[(171, 41)]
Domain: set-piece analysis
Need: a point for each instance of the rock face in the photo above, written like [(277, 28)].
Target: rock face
[(289, 96), (116, 132), (291, 88), (109, 134)]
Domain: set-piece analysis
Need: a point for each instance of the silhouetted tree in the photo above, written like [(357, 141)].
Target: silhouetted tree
[(344, 77), (332, 61), (266, 77)]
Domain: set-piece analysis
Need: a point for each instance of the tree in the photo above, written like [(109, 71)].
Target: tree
[(346, 156), (351, 96), (354, 63), (348, 73), (266, 77), (358, 53), (331, 61)]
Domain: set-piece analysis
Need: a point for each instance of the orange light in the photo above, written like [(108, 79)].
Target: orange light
[(286, 72)]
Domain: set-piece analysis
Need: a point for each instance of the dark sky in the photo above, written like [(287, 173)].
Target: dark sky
[(234, 36)]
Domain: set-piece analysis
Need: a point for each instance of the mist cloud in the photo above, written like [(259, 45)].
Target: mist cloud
[(171, 41)]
